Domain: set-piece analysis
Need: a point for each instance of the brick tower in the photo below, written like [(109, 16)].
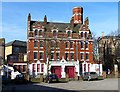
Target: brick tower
[(78, 15)]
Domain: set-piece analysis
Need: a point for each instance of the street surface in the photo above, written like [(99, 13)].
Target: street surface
[(71, 86)]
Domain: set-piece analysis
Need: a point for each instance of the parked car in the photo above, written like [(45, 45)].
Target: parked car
[(51, 78), (90, 75), (21, 78)]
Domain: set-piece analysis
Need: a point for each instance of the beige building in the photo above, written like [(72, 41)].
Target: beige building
[(109, 52), (2, 51), (16, 56)]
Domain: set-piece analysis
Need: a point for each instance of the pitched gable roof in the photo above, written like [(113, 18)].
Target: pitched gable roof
[(17, 43)]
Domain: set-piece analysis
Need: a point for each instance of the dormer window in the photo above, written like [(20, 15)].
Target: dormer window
[(82, 34), (40, 32), (68, 33), (54, 33), (36, 32), (85, 34)]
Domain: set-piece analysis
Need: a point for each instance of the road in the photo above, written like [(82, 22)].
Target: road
[(106, 85)]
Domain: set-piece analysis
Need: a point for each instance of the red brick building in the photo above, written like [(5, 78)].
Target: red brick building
[(62, 48)]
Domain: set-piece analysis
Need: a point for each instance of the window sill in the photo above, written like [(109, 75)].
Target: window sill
[(35, 59), (82, 48), (35, 47), (41, 59), (41, 47)]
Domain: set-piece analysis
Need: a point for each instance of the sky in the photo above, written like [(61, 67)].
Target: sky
[(103, 16)]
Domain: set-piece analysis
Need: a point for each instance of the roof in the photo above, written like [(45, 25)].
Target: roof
[(60, 26), (50, 25), (109, 37), (17, 43)]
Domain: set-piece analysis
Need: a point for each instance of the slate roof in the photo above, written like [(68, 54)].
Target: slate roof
[(61, 26), (17, 43)]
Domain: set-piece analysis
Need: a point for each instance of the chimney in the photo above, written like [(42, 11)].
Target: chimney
[(45, 19), (78, 15), (102, 34), (29, 17), (86, 22)]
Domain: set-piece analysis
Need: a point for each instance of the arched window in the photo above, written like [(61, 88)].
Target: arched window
[(35, 44), (36, 32), (57, 44), (41, 43), (86, 46), (54, 33), (68, 33), (82, 34), (82, 45), (85, 34), (40, 32), (52, 44)]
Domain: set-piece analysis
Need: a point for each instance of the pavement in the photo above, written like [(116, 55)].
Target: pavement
[(106, 85)]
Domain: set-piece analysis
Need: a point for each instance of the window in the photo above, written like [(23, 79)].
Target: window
[(72, 56), (24, 68), (84, 67), (71, 44), (66, 56), (85, 34), (41, 43), (57, 44), (54, 33), (52, 44), (36, 32), (40, 32), (52, 55), (57, 56), (35, 55), (87, 56), (42, 67), (86, 46), (38, 67), (68, 33), (16, 49), (82, 56), (41, 55), (66, 44), (34, 68), (82, 34), (82, 45), (35, 44)]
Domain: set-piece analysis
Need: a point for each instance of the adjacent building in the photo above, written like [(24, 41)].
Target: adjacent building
[(109, 53), (2, 52), (61, 48), (16, 55)]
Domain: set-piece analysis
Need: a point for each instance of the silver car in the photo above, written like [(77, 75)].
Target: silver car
[(90, 75)]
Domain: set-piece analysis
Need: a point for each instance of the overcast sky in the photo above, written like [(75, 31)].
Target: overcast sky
[(103, 16)]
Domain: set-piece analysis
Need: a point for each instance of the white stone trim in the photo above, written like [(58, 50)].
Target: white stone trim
[(54, 30), (57, 51), (52, 51), (35, 51), (68, 30), (41, 51), (66, 51), (72, 52), (20, 64)]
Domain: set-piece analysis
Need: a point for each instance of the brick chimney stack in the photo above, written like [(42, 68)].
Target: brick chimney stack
[(78, 15)]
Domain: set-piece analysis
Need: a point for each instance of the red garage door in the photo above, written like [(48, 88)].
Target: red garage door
[(70, 71), (56, 70)]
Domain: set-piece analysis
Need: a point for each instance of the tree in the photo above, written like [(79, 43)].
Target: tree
[(95, 47)]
